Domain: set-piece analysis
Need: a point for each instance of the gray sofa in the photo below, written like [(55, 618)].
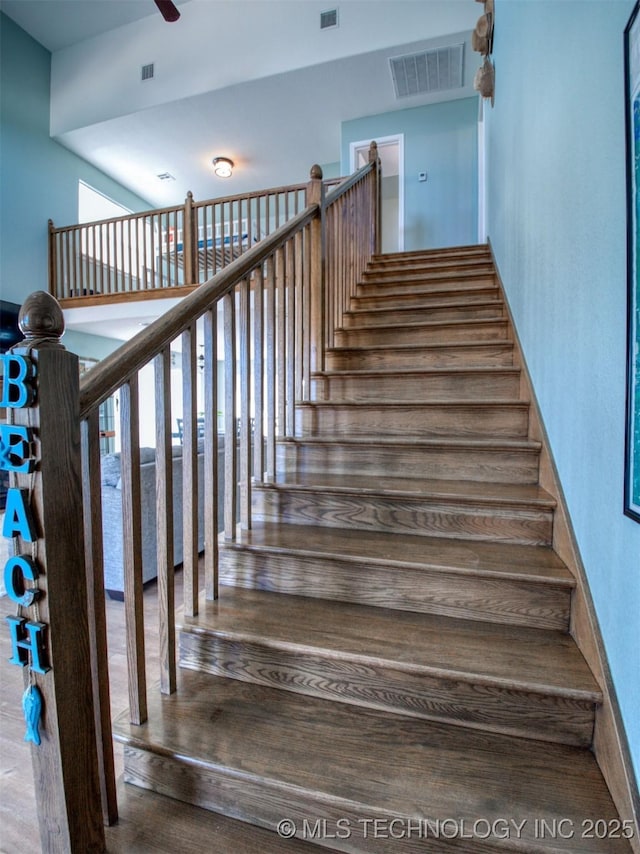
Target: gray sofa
[(112, 514)]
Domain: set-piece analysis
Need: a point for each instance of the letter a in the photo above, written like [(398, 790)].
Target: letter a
[(18, 520)]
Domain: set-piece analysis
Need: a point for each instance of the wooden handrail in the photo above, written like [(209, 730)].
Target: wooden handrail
[(347, 184), (108, 375)]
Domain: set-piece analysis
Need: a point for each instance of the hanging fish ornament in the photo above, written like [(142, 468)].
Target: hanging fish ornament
[(32, 708)]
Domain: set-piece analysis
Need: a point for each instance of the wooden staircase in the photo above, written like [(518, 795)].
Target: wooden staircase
[(389, 666)]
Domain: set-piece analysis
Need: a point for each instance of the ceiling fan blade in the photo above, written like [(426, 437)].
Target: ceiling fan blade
[(168, 10)]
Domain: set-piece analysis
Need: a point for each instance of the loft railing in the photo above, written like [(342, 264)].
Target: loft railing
[(150, 254), (274, 308)]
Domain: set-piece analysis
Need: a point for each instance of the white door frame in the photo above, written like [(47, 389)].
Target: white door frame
[(394, 139), (482, 174)]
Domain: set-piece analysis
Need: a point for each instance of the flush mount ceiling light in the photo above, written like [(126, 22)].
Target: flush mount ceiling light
[(223, 167)]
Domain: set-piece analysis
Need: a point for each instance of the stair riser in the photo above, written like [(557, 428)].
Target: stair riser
[(483, 330), (418, 285), (495, 466), (457, 273), (452, 356), (448, 255), (469, 263), (418, 387), (424, 590), (439, 298), (332, 823), (401, 514), (421, 314), (428, 421), (378, 685)]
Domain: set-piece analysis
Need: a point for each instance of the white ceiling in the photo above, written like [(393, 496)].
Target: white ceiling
[(273, 125)]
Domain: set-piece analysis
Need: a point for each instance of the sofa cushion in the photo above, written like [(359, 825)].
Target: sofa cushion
[(110, 469)]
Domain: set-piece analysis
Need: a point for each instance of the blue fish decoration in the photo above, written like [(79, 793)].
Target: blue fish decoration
[(32, 708)]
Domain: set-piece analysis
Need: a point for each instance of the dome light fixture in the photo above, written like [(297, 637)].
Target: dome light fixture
[(223, 167)]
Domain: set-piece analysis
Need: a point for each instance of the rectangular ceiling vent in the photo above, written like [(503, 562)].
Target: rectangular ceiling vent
[(147, 71), (328, 19), (166, 176), (428, 71)]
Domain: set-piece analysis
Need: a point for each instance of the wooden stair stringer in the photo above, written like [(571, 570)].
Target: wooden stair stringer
[(610, 744)]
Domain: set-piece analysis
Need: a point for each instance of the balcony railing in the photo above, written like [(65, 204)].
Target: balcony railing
[(164, 252)]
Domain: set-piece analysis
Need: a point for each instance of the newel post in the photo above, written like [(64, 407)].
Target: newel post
[(376, 235), (53, 264), (190, 240), (49, 634), (315, 196)]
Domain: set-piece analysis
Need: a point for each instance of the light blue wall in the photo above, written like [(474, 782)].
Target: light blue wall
[(440, 139), (38, 177), (556, 193)]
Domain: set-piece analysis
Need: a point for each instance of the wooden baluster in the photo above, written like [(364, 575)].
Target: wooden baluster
[(230, 430), (306, 323), (290, 344), (376, 237), (132, 549), (189, 242), (145, 252), (176, 255), (111, 287), (267, 223), (92, 501), (298, 283), (65, 763), (190, 470), (245, 406), (164, 523), (205, 244), (315, 197), (52, 260), (130, 256), (271, 370), (281, 311), (258, 374), (211, 473)]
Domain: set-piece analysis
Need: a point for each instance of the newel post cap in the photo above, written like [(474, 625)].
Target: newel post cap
[(41, 321), (315, 172)]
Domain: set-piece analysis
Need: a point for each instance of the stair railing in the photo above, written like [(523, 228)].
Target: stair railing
[(351, 239), (273, 310)]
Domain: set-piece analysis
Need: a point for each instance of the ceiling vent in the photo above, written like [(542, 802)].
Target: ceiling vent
[(328, 19), (147, 71), (165, 176), (428, 71)]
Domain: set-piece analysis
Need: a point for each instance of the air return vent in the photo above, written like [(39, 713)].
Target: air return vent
[(328, 19), (428, 71), (147, 71)]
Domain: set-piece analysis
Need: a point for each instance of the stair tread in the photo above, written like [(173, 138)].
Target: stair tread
[(474, 370), (377, 404), (419, 305), (532, 563), (502, 342), (148, 821), (301, 748), (523, 658), (428, 324), (449, 442), (455, 490)]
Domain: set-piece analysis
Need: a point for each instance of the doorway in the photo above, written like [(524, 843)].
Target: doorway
[(391, 153)]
